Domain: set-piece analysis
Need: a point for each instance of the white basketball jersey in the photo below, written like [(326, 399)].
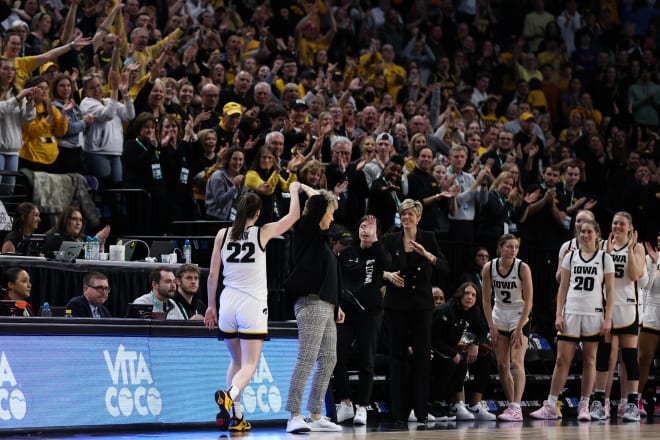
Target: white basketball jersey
[(507, 288), (244, 263), (585, 289), (625, 291)]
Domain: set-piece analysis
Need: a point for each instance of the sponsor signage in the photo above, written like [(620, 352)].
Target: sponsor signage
[(66, 381)]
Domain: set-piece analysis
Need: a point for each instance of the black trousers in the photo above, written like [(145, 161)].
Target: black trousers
[(363, 328), (448, 377), (409, 373)]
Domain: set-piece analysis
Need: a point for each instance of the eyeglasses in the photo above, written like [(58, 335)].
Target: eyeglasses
[(99, 289)]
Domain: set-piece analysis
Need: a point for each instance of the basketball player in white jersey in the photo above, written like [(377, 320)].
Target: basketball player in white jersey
[(628, 258), (240, 252), (572, 244), (649, 335), (581, 315), (510, 281)]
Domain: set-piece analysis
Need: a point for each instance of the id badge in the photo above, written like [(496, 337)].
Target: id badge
[(513, 228), (156, 171), (397, 220), (183, 177), (232, 214), (506, 228)]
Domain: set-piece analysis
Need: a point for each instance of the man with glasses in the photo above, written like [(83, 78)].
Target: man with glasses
[(91, 304)]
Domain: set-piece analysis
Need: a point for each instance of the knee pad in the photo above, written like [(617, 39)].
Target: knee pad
[(603, 356), (629, 357)]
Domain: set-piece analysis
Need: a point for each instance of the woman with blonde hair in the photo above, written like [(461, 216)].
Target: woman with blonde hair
[(16, 107), (409, 306)]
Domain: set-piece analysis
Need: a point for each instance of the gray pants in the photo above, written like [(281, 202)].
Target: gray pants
[(317, 342)]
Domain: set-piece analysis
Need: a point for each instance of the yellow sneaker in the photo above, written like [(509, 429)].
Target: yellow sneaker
[(224, 404), (241, 424)]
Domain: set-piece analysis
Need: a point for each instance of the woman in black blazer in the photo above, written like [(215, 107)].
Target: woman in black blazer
[(408, 308)]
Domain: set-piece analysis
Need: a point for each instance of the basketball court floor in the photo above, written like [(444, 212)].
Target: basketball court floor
[(569, 428)]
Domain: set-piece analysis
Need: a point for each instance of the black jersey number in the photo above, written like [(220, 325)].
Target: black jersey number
[(506, 296), (584, 283), (618, 270), (240, 252)]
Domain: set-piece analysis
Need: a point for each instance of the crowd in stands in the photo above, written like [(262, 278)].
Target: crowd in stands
[(154, 94), (498, 116)]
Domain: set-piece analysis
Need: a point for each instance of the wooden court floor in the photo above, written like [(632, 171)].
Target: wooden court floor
[(528, 430)]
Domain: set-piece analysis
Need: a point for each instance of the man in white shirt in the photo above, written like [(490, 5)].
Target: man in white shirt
[(163, 288)]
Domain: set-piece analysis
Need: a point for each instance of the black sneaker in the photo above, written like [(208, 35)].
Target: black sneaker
[(224, 402), (441, 412)]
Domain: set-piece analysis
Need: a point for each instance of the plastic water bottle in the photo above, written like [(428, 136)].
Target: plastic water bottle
[(88, 248), (46, 312), (187, 252), (68, 313), (96, 252)]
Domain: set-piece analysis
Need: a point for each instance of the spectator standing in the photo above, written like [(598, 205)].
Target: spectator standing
[(16, 108), (104, 139)]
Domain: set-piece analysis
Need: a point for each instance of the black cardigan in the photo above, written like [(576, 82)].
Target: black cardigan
[(415, 269), (315, 269)]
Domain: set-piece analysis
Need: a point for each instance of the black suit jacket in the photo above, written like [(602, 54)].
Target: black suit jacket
[(417, 271), (80, 308)]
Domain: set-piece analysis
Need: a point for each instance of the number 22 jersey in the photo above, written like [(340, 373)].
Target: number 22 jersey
[(244, 263)]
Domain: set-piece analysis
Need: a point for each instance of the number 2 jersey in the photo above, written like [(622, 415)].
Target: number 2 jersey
[(585, 288), (244, 263), (507, 288)]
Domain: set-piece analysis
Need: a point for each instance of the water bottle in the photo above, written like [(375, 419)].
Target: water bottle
[(88, 248), (68, 313), (96, 252), (187, 252), (46, 312)]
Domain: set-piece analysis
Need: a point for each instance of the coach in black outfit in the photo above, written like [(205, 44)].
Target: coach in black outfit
[(408, 308), (91, 304)]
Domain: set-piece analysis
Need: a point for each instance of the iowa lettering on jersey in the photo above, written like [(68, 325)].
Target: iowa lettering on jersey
[(504, 284), (585, 270)]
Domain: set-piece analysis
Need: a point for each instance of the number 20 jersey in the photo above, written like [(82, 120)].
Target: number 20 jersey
[(585, 289), (244, 264)]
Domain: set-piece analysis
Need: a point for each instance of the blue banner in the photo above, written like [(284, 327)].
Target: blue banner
[(61, 381)]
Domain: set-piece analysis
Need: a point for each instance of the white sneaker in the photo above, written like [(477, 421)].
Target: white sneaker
[(360, 416), (631, 414), (480, 411), (412, 418), (323, 424), (297, 425), (345, 412), (459, 410)]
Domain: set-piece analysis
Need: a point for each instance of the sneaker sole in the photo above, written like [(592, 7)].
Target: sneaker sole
[(298, 431), (240, 428)]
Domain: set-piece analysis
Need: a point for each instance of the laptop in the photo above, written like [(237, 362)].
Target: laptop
[(8, 307), (133, 250), (161, 247), (69, 251), (139, 311)]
